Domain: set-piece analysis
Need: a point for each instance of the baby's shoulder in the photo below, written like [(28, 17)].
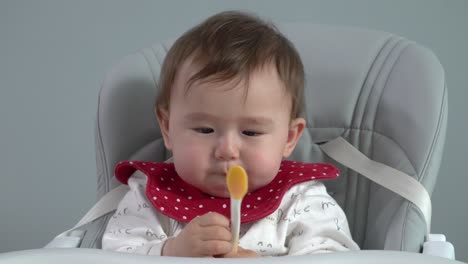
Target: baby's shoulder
[(308, 188), (304, 193)]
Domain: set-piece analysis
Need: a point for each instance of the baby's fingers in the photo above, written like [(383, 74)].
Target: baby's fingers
[(215, 233), (215, 247), (241, 253), (211, 219)]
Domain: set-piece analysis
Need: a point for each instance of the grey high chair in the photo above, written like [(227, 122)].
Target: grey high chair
[(382, 93)]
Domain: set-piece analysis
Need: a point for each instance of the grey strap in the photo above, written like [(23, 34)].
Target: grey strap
[(106, 204), (390, 178)]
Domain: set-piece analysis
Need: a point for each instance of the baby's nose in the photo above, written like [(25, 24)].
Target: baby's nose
[(227, 149)]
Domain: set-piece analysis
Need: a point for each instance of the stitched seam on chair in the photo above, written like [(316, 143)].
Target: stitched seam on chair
[(154, 77), (149, 64), (436, 136), (103, 225), (375, 117), (102, 153), (380, 98), (385, 85), (386, 81), (365, 84), (388, 228), (405, 220), (367, 77), (372, 89), (378, 103), (389, 54), (157, 58), (406, 212), (151, 69), (379, 73), (364, 87), (432, 149), (403, 227)]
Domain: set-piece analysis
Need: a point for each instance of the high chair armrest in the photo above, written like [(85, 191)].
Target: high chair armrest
[(86, 255), (437, 245), (71, 240)]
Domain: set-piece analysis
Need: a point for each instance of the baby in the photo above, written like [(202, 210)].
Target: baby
[(231, 93)]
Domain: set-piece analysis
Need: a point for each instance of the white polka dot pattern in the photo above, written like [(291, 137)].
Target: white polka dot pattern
[(169, 194)]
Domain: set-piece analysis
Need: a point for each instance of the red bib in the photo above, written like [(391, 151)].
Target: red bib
[(176, 199)]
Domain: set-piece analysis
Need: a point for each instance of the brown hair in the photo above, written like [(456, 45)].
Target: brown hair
[(232, 45)]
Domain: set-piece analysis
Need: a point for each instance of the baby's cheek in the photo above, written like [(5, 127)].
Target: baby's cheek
[(263, 170), (189, 148), (188, 160)]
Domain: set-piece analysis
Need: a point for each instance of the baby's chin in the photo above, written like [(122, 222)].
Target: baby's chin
[(221, 192), (218, 189)]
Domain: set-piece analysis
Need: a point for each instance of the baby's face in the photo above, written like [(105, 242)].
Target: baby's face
[(217, 125)]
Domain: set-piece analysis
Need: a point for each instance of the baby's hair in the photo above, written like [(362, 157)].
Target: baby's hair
[(230, 46)]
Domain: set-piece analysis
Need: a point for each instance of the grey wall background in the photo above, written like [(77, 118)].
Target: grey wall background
[(54, 54)]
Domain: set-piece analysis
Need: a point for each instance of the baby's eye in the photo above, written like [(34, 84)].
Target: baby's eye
[(251, 133), (204, 130)]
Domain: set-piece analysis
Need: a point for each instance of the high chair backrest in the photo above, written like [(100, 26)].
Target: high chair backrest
[(382, 93)]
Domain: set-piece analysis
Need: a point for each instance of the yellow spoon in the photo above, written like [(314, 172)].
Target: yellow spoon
[(238, 184)]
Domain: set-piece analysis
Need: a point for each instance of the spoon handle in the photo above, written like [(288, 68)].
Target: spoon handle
[(235, 222)]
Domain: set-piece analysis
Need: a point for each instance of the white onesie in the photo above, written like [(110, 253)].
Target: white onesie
[(307, 221)]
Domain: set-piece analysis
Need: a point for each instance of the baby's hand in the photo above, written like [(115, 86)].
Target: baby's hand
[(204, 236), (241, 253)]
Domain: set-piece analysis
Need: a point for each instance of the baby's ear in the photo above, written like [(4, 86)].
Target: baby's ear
[(295, 131), (163, 120)]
